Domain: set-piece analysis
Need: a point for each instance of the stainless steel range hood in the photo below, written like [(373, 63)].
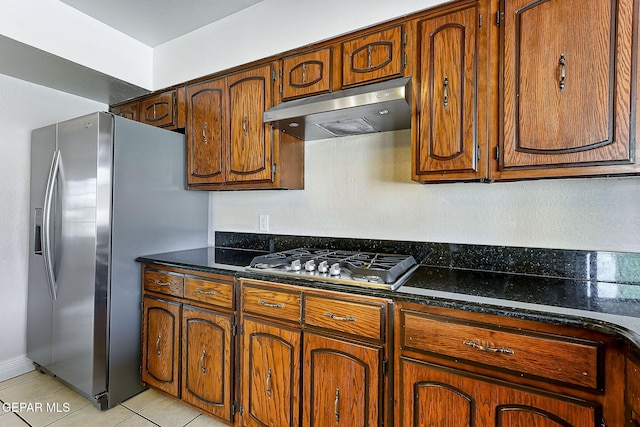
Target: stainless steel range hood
[(377, 107)]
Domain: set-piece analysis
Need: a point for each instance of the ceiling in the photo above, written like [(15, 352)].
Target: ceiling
[(154, 22)]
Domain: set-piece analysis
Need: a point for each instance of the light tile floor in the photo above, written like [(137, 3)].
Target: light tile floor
[(48, 402)]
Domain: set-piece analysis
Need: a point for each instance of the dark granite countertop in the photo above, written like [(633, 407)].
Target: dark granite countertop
[(599, 305)]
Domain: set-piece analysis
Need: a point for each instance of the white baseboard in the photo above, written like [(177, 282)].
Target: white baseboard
[(14, 367)]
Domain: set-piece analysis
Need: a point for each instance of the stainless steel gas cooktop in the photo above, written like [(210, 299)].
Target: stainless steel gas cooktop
[(367, 269)]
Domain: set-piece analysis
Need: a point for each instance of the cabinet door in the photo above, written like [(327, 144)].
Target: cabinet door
[(159, 110), (207, 349), (161, 345), (306, 74), (129, 111), (567, 83), (250, 94), (271, 375), (633, 389), (433, 395), (207, 132), (446, 143), (342, 383), (373, 57)]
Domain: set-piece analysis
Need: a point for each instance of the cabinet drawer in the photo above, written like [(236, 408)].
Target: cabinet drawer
[(275, 303), (554, 357), (216, 293), (164, 282), (351, 317)]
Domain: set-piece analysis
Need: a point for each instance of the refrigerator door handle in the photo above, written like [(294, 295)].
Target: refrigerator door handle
[(46, 224)]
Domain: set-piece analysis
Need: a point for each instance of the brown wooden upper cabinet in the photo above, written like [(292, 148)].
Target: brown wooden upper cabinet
[(450, 85), (373, 57), (228, 144), (162, 110), (566, 90), (307, 74), (130, 110)]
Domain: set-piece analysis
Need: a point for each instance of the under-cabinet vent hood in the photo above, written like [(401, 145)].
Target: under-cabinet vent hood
[(378, 107)]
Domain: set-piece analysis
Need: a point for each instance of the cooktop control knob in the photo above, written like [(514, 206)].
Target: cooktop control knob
[(334, 270), (323, 267), (310, 265), (296, 265)]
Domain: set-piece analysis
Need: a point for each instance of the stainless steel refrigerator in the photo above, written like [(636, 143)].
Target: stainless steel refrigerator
[(104, 190)]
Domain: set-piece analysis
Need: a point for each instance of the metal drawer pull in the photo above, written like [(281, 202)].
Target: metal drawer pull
[(502, 350), (446, 91), (343, 319), (563, 72), (159, 283), (204, 135), (158, 344), (201, 292), (202, 367), (266, 304), (336, 404), (269, 382)]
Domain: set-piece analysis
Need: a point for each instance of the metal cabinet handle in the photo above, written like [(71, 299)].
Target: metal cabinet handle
[(304, 73), (202, 367), (154, 111), (204, 135), (342, 319), (336, 403), (268, 383), (201, 292), (446, 91), (369, 59), (563, 72), (158, 344), (159, 283), (245, 125), (266, 304), (502, 350)]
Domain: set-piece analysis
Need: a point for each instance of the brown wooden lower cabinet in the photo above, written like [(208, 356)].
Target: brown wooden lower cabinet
[(207, 361), (161, 345), (312, 357), (433, 395), (342, 382), (271, 375)]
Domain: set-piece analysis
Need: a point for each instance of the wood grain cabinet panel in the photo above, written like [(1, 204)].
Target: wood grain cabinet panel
[(307, 74), (161, 345), (163, 282), (448, 135), (365, 320), (557, 358), (433, 395), (213, 292), (160, 110), (567, 84), (278, 304), (207, 132), (207, 355), (129, 111), (250, 94), (228, 144), (342, 383), (373, 57), (271, 375), (633, 390)]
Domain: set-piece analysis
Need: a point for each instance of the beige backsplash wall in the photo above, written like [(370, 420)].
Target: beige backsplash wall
[(360, 187)]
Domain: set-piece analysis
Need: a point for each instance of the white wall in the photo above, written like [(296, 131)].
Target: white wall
[(23, 107), (360, 187)]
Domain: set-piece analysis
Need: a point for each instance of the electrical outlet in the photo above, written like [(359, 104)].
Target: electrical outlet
[(264, 222)]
